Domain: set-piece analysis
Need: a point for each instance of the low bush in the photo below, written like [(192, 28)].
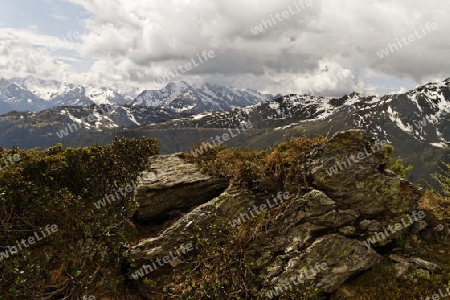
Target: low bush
[(57, 186)]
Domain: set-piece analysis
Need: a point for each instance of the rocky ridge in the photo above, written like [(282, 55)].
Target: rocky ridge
[(326, 222)]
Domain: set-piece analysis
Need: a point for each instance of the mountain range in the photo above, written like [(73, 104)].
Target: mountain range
[(182, 97), (416, 123), (33, 94)]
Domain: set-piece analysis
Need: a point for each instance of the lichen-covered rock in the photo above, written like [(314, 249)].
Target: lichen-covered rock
[(343, 258), (359, 182), (407, 266), (173, 185), (183, 229), (326, 223), (362, 182)]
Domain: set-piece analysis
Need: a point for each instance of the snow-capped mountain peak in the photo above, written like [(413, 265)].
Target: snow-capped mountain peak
[(182, 97), (35, 94)]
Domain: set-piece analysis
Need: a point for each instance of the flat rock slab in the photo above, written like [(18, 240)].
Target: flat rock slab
[(171, 184)]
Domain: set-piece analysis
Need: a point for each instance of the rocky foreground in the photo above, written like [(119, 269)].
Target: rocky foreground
[(335, 228)]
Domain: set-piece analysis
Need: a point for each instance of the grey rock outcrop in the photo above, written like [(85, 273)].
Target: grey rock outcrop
[(171, 185), (326, 223)]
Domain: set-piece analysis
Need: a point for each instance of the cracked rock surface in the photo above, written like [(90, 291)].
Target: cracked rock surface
[(325, 223)]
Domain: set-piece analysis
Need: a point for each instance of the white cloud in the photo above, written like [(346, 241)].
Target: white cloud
[(134, 42), (25, 60), (31, 37), (60, 17)]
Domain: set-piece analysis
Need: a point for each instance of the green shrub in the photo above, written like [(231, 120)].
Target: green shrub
[(279, 169), (56, 186)]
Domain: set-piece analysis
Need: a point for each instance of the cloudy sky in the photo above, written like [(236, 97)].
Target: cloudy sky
[(324, 47)]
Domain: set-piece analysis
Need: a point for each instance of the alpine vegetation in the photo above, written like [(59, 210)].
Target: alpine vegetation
[(129, 188), (259, 209), (225, 137), (31, 240), (360, 156), (90, 297), (381, 236), (436, 296), (286, 286), (12, 160), (165, 260)]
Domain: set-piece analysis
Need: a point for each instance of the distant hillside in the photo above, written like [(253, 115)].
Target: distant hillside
[(182, 97), (416, 123), (33, 94)]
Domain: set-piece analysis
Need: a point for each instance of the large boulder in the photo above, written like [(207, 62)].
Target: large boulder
[(351, 169), (173, 185), (325, 224)]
